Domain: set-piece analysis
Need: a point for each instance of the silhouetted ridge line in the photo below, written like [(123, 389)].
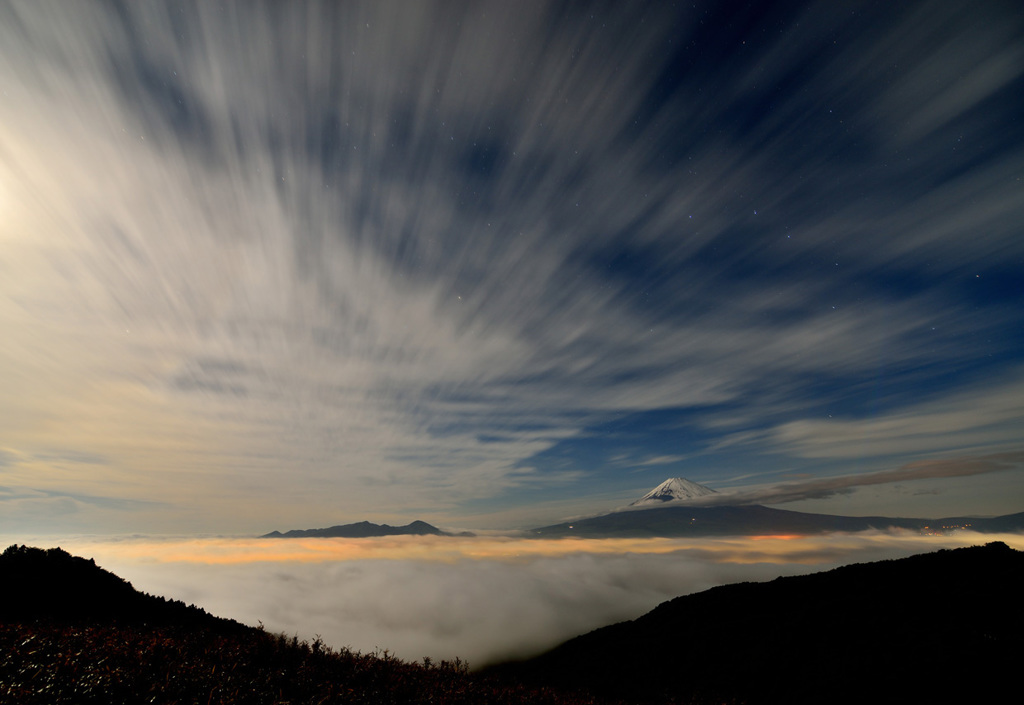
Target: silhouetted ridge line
[(72, 633), (364, 529), (936, 628), (755, 519), (52, 584)]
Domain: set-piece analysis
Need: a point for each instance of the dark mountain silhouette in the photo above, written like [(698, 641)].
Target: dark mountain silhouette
[(364, 529), (752, 520), (935, 628), (943, 627), (72, 633), (51, 584)]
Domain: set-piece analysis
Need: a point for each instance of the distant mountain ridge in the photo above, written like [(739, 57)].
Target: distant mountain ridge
[(364, 529), (757, 520), (664, 512)]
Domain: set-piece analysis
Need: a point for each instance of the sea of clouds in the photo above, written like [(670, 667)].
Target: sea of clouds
[(481, 599)]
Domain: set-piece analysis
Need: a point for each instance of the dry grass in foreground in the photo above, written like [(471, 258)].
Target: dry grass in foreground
[(50, 664)]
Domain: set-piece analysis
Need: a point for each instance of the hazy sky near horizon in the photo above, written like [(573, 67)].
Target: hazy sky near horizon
[(489, 264)]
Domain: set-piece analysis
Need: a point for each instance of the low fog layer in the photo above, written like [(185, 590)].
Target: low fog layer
[(481, 599)]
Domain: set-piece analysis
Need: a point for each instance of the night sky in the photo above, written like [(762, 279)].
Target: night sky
[(285, 265)]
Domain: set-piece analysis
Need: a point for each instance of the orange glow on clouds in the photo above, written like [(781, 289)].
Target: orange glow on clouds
[(483, 598), (780, 537), (783, 548)]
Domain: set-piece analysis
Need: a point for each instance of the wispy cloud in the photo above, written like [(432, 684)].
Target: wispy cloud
[(818, 488), (664, 460), (985, 417), (289, 256)]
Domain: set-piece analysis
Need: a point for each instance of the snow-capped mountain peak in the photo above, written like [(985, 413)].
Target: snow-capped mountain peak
[(673, 489)]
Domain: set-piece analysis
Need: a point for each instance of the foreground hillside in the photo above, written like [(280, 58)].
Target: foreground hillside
[(71, 632), (945, 627)]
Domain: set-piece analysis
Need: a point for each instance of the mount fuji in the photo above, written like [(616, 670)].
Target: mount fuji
[(670, 510), (674, 489)]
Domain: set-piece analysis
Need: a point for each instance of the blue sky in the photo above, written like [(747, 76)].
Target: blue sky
[(490, 264)]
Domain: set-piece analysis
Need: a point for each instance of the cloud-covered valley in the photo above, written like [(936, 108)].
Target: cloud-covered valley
[(480, 599)]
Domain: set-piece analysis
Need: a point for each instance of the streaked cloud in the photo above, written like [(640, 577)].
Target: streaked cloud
[(819, 488), (276, 264), (980, 418)]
